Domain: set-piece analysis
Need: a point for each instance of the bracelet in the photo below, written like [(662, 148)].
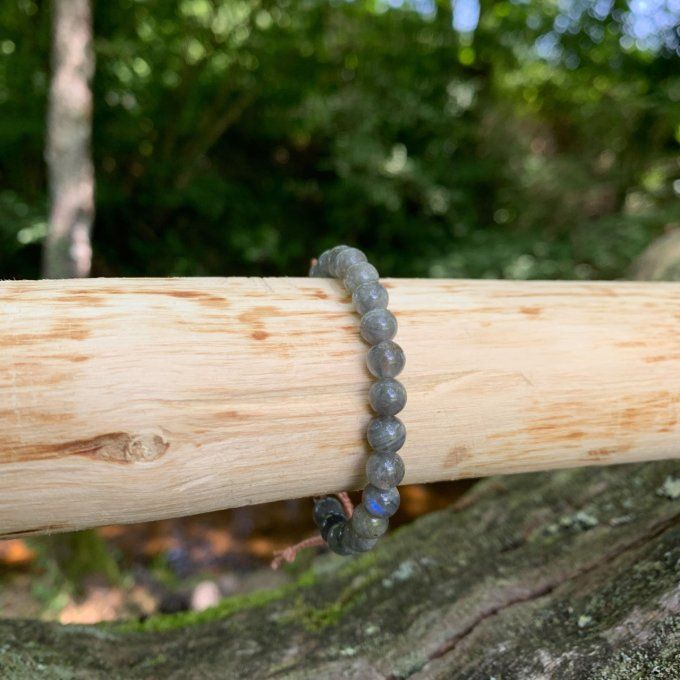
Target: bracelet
[(344, 534)]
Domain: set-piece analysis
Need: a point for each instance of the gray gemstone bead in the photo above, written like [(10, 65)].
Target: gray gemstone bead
[(385, 360), (377, 326), (367, 526), (386, 433), (387, 396), (370, 296), (326, 506), (358, 274), (355, 543), (322, 264), (333, 259), (380, 502), (336, 541), (346, 259), (384, 469)]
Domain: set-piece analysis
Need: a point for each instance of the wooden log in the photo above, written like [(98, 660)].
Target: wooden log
[(138, 399)]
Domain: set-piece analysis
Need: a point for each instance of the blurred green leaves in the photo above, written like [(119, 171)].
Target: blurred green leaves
[(242, 137)]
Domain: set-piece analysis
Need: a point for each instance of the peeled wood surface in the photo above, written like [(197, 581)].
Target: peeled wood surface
[(125, 400)]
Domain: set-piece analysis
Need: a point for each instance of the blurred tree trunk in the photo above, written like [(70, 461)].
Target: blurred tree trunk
[(660, 261), (68, 252)]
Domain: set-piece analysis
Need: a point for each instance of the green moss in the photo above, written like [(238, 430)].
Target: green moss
[(153, 662), (227, 607), (310, 617), (362, 575)]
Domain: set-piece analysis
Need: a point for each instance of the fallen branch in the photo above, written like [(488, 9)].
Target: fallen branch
[(131, 400)]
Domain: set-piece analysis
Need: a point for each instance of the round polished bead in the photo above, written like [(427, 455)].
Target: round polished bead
[(333, 259), (346, 259), (384, 469), (358, 274), (370, 296), (326, 506), (355, 543), (386, 433), (336, 541), (387, 396), (366, 525), (329, 523), (386, 359), (322, 264), (380, 502), (377, 326)]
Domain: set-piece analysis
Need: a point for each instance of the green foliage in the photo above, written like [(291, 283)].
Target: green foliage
[(243, 136), (63, 565)]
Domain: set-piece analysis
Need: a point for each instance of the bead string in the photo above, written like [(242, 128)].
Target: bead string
[(347, 530)]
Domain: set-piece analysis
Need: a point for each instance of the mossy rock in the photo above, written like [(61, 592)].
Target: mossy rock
[(569, 575)]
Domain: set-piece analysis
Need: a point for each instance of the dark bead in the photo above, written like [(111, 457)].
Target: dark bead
[(355, 543), (377, 326), (366, 525), (385, 469), (387, 396), (328, 505), (322, 264), (346, 259), (333, 259), (336, 541), (380, 502), (329, 523), (359, 274), (385, 360), (370, 296), (386, 433)]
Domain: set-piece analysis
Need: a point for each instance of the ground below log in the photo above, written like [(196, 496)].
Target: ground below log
[(573, 574)]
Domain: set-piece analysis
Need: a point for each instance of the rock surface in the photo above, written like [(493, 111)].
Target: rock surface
[(571, 575)]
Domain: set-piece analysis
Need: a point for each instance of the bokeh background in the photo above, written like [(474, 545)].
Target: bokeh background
[(507, 139)]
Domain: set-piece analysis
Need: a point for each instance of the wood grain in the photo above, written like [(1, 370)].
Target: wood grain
[(125, 400)]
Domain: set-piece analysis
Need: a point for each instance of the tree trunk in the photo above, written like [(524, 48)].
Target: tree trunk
[(67, 251), (567, 575), (660, 261)]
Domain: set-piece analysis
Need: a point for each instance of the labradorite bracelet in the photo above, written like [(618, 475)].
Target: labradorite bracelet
[(387, 397)]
